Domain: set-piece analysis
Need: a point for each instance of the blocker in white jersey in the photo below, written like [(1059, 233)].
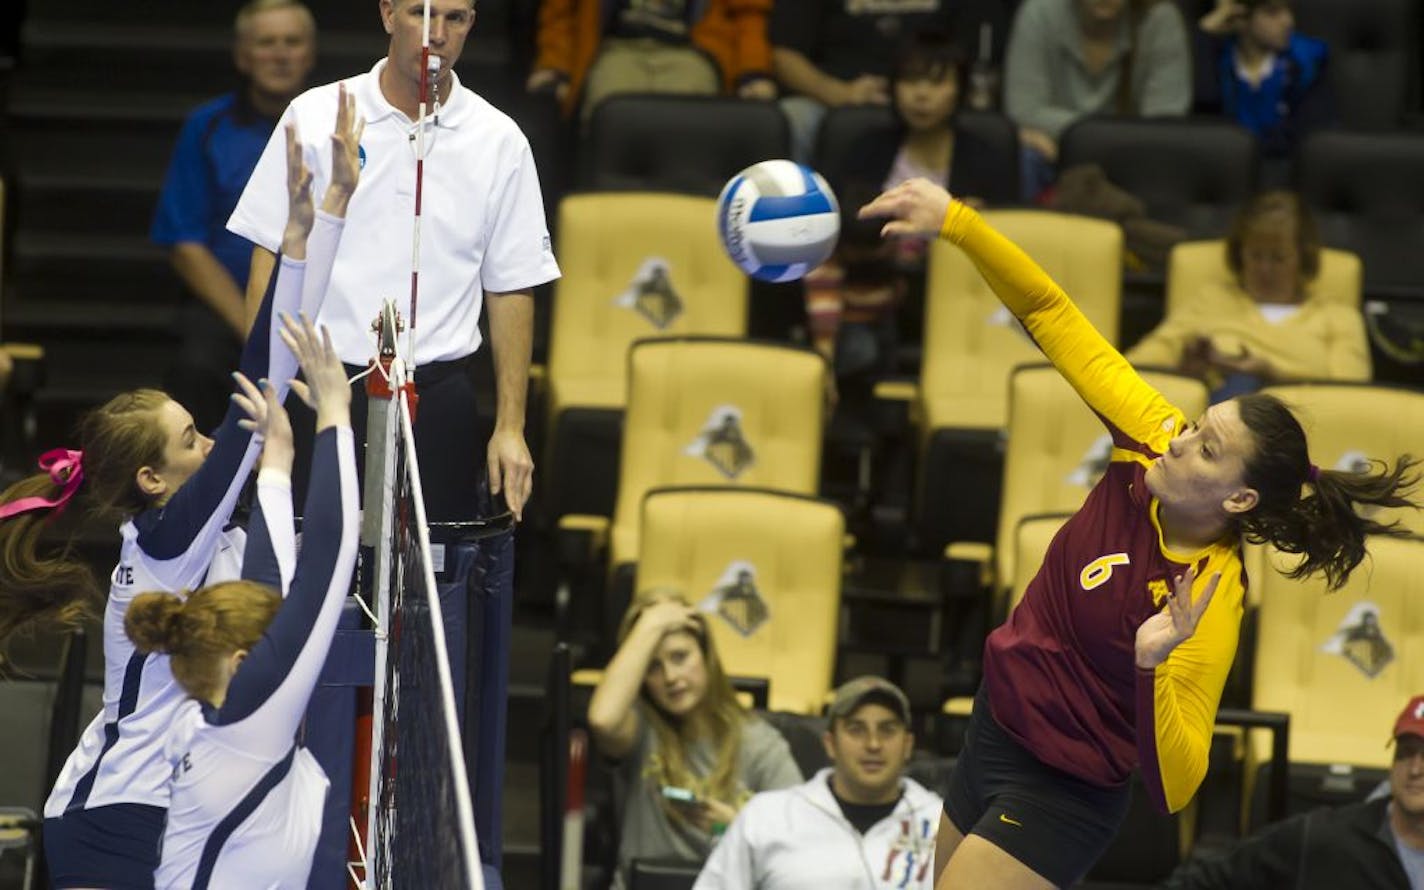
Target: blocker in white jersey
[(104, 817), (246, 802)]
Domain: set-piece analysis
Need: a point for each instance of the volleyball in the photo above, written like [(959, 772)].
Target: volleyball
[(778, 220)]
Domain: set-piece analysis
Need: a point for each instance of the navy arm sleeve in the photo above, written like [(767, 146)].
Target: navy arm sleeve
[(269, 693), (181, 531), (202, 505)]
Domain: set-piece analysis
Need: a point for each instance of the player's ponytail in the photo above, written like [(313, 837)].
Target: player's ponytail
[(42, 582), (199, 633), (1312, 511)]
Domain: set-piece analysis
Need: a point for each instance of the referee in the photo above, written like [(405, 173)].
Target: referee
[(484, 242)]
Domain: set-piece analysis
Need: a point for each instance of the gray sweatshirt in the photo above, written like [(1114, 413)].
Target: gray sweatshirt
[(1047, 86)]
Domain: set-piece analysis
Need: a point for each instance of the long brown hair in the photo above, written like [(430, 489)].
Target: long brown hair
[(717, 718), (199, 632), (42, 581), (1315, 517)]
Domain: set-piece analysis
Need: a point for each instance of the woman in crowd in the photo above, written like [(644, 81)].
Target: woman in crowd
[(687, 755), (1270, 325)]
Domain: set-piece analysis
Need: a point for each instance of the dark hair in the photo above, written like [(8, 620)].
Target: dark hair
[(1322, 525), (929, 53), (1285, 205)]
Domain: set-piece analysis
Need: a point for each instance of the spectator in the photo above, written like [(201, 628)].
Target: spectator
[(688, 757), (274, 50), (1262, 75), (858, 824), (1270, 325), (589, 50), (483, 243), (1377, 844), (1068, 59), (828, 55), (851, 300)]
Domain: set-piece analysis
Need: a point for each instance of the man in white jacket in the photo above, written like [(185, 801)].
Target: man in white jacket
[(859, 824)]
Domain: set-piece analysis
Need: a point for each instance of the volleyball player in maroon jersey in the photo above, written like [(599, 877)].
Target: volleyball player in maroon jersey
[(1116, 658)]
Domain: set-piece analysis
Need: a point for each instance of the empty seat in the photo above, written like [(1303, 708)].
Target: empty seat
[(1190, 172), (635, 265), (1342, 663), (766, 568), (690, 144), (1367, 191), (705, 411), (1374, 56)]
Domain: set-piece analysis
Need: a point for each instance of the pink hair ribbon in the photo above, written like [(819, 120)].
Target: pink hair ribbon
[(65, 469)]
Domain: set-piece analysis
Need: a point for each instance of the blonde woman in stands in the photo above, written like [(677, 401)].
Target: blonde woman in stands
[(175, 488), (1270, 325), (687, 755), (1116, 658)]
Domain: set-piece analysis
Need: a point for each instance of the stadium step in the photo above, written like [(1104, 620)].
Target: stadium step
[(75, 203), (51, 272)]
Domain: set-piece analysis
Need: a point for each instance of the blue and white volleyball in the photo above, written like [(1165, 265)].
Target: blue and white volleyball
[(778, 220)]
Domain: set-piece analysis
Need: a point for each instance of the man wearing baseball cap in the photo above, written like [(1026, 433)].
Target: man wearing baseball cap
[(1375, 845), (860, 823)]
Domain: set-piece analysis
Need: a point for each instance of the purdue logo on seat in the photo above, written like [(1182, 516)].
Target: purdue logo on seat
[(722, 444), (651, 294), (1361, 642), (737, 600)]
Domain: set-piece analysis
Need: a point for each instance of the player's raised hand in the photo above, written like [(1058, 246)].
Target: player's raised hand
[(300, 212), (1176, 623), (345, 153), (914, 207), (325, 388), (266, 418)]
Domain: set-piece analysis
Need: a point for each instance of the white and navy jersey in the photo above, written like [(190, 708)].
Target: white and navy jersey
[(246, 802), (174, 548)]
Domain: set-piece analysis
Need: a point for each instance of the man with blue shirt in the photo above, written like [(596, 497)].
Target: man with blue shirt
[(218, 147)]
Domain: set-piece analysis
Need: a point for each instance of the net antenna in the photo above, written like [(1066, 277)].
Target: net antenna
[(429, 105)]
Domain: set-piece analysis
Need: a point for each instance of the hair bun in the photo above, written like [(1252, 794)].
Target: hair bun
[(154, 622)]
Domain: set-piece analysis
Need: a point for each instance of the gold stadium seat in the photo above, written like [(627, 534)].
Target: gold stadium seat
[(1057, 449), (1194, 265), (766, 568), (971, 343), (1343, 663), (635, 265), (706, 411), (1349, 423)]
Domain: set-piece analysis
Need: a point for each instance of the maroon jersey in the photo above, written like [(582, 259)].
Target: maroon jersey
[(1061, 672)]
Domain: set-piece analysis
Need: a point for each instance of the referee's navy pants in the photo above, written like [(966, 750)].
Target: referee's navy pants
[(450, 439)]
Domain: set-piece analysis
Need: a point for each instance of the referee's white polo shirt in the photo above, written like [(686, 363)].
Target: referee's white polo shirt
[(482, 216)]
